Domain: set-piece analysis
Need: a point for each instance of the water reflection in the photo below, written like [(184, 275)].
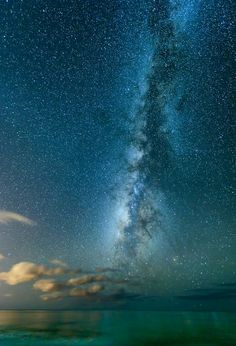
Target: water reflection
[(54, 324), (116, 328)]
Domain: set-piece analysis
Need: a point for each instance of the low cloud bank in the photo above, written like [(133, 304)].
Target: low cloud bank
[(60, 282)]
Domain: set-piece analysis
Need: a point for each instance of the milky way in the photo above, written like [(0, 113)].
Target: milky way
[(149, 153)]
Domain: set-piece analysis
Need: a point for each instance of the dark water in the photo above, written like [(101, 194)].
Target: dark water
[(116, 328)]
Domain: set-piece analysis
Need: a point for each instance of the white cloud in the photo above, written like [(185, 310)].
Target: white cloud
[(8, 216), (27, 271)]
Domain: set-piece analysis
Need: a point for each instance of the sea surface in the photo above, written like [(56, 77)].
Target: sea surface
[(119, 328)]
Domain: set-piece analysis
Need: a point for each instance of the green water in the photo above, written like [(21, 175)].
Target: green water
[(119, 328)]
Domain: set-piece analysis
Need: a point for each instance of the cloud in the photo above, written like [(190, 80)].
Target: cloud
[(91, 290), (77, 292), (85, 286), (49, 285), (8, 216), (86, 279), (2, 257), (55, 290), (94, 291), (105, 270), (89, 286), (52, 296), (59, 263), (225, 291), (27, 271), (228, 284), (121, 294)]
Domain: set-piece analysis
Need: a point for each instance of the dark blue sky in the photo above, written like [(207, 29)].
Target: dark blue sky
[(68, 72)]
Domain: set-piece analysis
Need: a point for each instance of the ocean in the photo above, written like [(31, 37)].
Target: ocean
[(118, 328)]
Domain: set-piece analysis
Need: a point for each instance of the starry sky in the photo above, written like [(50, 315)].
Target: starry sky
[(117, 144)]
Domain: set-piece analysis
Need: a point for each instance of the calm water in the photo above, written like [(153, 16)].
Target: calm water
[(116, 328)]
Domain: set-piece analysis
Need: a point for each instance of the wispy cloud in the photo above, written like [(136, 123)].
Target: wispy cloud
[(106, 270), (222, 291), (8, 216), (53, 296), (86, 279), (91, 290), (59, 263)]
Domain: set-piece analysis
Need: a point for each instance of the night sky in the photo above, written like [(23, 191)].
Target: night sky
[(117, 144)]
